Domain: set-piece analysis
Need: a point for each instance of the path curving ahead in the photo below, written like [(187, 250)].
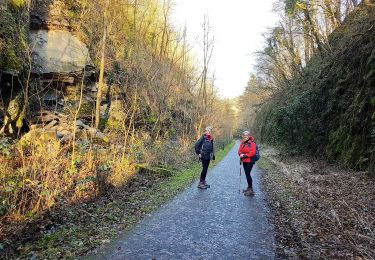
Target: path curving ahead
[(217, 223)]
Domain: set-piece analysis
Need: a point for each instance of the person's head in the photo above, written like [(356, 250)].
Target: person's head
[(245, 136), (208, 130)]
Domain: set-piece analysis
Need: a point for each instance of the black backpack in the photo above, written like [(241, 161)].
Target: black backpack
[(207, 145)]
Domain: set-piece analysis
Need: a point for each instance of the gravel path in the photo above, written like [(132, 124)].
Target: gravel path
[(217, 223)]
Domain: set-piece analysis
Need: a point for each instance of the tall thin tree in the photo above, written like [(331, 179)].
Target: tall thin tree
[(102, 63)]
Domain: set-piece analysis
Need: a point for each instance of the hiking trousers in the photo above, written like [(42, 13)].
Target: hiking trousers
[(205, 164), (248, 166)]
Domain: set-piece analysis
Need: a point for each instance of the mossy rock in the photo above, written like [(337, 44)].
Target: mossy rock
[(15, 116), (41, 140), (18, 3), (155, 170), (87, 110), (116, 115), (13, 37)]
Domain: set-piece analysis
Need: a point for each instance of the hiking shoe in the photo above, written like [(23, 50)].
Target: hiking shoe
[(202, 185), (249, 192), (207, 185), (245, 190)]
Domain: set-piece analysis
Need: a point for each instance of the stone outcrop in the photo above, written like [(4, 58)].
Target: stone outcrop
[(58, 52), (49, 15), (64, 128), (60, 57)]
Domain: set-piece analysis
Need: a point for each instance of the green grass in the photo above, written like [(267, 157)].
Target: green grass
[(167, 189)]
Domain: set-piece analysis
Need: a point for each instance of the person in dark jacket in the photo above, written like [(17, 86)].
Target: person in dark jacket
[(204, 148), (247, 151)]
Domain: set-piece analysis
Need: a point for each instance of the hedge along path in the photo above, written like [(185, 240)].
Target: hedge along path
[(217, 223)]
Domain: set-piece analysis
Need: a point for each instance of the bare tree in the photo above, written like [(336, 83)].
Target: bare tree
[(102, 62), (208, 46)]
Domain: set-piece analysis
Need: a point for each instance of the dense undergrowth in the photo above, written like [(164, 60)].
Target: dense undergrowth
[(35, 178), (72, 229), (329, 110)]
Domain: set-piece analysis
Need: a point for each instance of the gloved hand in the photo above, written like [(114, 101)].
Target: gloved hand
[(213, 157)]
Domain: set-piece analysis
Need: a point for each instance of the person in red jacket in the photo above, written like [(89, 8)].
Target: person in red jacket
[(246, 151)]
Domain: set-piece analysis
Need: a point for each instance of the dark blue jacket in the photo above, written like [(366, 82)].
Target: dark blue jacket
[(205, 147)]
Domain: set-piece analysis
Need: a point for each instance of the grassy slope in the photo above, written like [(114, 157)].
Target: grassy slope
[(86, 226)]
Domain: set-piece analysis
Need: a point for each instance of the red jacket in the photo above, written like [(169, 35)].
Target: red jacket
[(248, 150)]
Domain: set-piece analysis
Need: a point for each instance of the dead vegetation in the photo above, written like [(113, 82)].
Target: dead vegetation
[(72, 228), (320, 210), (82, 225)]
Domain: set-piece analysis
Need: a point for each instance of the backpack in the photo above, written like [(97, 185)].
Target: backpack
[(207, 149), (256, 157), (207, 145)]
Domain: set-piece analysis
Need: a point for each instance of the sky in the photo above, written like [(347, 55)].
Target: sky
[(237, 26)]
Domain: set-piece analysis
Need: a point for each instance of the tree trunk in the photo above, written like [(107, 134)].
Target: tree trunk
[(101, 73), (165, 12), (306, 40), (314, 30)]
